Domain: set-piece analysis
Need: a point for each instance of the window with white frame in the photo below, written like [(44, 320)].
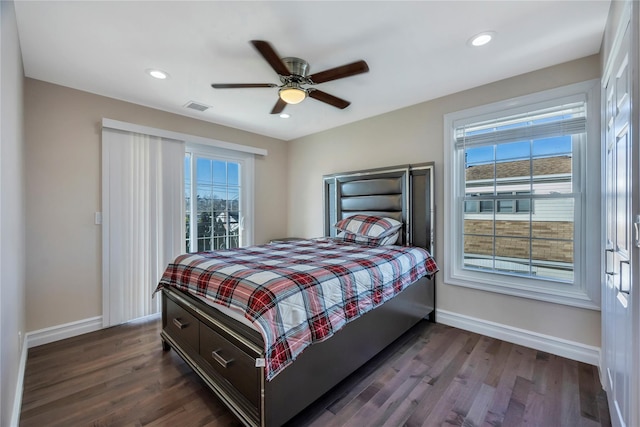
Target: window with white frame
[(218, 198), (517, 197)]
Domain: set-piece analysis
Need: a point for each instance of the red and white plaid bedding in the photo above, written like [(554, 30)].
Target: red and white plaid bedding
[(299, 292)]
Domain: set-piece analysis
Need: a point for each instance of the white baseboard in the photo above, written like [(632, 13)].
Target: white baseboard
[(60, 332), (17, 400), (547, 343)]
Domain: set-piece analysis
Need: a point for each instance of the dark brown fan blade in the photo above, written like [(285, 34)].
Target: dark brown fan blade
[(329, 99), (270, 55), (341, 72), (241, 85), (277, 109)]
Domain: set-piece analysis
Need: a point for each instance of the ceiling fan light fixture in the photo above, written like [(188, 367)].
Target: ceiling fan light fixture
[(292, 94)]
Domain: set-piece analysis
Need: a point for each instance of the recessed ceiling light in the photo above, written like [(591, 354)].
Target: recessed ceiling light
[(481, 39), (158, 74), (284, 116)]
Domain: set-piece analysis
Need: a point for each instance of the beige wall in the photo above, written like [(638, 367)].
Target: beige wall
[(63, 131), (413, 135)]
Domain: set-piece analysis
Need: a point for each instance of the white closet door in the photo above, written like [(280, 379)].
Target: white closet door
[(619, 343), (142, 230)]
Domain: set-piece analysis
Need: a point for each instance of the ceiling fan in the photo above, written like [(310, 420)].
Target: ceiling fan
[(293, 73)]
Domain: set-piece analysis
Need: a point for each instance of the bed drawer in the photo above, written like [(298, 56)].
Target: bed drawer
[(182, 325), (236, 366)]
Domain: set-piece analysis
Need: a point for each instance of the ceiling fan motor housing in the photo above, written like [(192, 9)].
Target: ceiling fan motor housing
[(297, 67)]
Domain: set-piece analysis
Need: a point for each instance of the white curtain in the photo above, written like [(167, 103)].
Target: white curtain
[(142, 228)]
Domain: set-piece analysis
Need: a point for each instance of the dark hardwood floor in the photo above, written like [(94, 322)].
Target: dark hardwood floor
[(434, 375)]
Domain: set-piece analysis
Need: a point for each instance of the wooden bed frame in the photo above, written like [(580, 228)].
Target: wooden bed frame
[(225, 352)]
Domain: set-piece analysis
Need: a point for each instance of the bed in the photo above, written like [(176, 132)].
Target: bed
[(234, 353)]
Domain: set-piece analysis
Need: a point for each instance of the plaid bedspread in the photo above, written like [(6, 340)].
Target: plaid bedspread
[(299, 292)]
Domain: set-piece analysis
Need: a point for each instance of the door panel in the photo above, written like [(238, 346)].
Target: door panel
[(617, 313)]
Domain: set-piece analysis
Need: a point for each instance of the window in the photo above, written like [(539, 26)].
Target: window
[(504, 206), (217, 199), (517, 196)]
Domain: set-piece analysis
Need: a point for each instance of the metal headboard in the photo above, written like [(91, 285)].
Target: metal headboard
[(404, 193)]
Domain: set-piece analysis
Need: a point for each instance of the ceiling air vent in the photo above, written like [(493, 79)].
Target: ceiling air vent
[(196, 106)]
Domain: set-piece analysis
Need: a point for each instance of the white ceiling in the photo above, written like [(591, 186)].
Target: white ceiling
[(416, 51)]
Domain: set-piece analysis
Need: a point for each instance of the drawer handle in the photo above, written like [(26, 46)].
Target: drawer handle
[(221, 360), (179, 324)]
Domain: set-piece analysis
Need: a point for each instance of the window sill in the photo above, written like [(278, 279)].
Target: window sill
[(554, 294)]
